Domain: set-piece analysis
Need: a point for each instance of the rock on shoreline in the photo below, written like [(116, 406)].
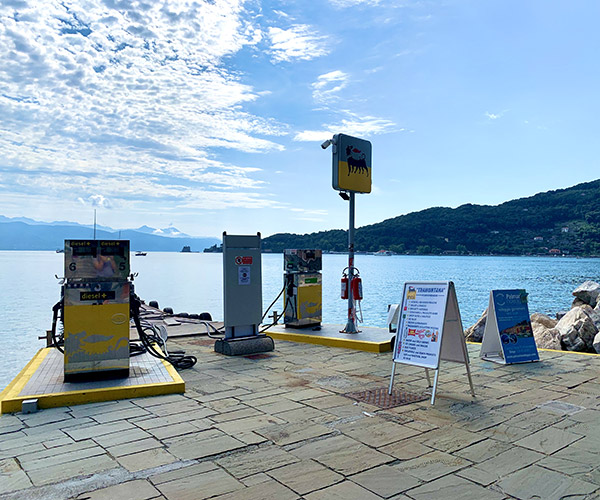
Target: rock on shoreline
[(577, 330)]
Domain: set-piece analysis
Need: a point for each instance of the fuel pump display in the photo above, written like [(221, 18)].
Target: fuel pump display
[(96, 308), (303, 288)]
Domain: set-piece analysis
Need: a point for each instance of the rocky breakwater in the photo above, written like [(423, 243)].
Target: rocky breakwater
[(575, 330)]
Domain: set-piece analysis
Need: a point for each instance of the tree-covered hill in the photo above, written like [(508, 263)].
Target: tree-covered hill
[(564, 221)]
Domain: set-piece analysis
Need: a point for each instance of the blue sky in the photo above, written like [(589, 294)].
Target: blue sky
[(209, 115)]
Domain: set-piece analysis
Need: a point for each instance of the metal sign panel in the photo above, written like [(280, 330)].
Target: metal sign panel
[(508, 335), (429, 329), (421, 324), (351, 164)]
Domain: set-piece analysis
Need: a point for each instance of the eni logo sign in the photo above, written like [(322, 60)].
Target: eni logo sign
[(351, 164)]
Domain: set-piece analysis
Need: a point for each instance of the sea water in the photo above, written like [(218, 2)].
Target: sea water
[(192, 283)]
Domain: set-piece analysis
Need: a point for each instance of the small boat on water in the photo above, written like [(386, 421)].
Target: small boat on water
[(383, 253), (140, 254)]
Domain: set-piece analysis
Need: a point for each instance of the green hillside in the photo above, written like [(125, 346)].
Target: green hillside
[(565, 221)]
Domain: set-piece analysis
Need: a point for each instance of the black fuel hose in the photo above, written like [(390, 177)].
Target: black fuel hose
[(272, 304), (56, 343), (178, 359), (276, 319)]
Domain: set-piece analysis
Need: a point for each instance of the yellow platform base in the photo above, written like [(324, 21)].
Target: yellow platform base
[(42, 379), (369, 339)]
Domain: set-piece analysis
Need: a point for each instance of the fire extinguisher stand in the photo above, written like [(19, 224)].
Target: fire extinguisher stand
[(351, 324)]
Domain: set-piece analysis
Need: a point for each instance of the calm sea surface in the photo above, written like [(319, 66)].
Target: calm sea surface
[(193, 283)]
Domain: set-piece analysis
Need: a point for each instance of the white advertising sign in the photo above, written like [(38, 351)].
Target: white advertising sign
[(429, 330), (421, 324)]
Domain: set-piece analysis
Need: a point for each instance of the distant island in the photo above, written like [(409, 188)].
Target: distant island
[(560, 222), (216, 248)]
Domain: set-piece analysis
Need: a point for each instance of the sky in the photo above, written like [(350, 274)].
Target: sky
[(208, 115)]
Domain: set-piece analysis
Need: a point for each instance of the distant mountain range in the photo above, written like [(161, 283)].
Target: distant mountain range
[(560, 222), (21, 233)]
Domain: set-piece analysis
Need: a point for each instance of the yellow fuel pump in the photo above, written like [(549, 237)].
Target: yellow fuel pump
[(303, 288), (96, 309)]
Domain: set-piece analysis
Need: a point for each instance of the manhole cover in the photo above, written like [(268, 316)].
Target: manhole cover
[(381, 398)]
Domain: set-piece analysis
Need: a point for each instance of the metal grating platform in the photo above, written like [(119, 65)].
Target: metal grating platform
[(380, 397), (42, 379), (48, 378)]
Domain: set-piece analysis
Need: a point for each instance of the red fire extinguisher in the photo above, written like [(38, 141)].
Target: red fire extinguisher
[(357, 291), (344, 286)]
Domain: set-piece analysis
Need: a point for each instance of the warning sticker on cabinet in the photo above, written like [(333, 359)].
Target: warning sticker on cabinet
[(245, 260), (243, 275)]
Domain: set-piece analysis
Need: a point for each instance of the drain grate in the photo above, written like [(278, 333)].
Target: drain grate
[(381, 398)]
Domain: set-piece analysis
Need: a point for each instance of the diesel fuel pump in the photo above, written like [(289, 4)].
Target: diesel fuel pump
[(95, 305), (303, 288)]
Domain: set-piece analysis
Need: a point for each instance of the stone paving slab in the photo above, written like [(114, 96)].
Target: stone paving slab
[(241, 465), (385, 480), (202, 444), (199, 486), (376, 431), (146, 459), (64, 471), (264, 491), (452, 486), (283, 434), (537, 482), (281, 428), (501, 465), (548, 440), (190, 470), (131, 490), (134, 447), (342, 454), (343, 491), (121, 437), (13, 477), (433, 465), (305, 476)]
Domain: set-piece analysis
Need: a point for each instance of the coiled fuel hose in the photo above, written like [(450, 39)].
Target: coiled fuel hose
[(177, 358)]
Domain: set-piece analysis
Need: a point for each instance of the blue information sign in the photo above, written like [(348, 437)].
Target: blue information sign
[(509, 314)]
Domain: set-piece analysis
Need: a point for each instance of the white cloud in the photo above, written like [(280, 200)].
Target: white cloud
[(353, 125), (495, 116), (96, 200), (352, 3), (296, 43), (314, 135), (328, 85), (309, 212), (114, 100)]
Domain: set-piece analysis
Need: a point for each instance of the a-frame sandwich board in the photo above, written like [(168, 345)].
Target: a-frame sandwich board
[(429, 330), (508, 335)]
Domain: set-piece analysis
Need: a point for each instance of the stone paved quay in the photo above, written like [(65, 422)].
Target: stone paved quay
[(278, 427)]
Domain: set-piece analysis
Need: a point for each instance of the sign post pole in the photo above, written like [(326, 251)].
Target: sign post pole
[(434, 389), (351, 325), (351, 174)]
